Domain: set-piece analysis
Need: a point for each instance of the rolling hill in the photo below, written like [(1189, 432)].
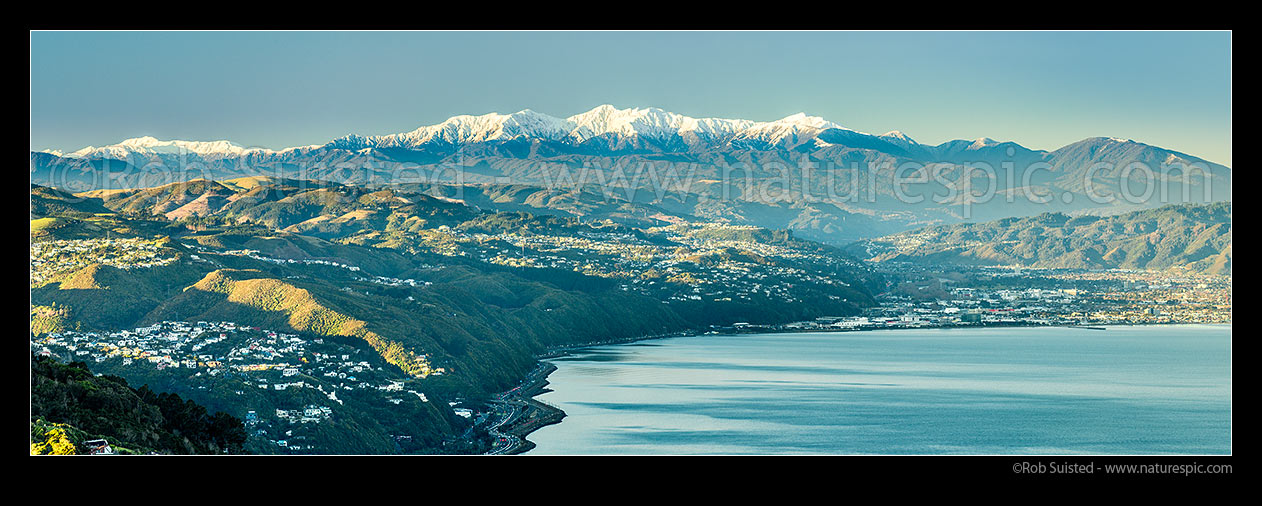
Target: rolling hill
[(1191, 237), (454, 299)]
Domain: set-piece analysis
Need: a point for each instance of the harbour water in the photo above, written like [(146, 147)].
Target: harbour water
[(1162, 389)]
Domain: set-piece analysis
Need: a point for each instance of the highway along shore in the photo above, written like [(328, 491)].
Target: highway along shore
[(516, 413)]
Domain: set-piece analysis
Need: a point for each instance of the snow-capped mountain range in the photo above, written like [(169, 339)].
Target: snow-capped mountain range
[(524, 146), (605, 122), (721, 158), (150, 146)]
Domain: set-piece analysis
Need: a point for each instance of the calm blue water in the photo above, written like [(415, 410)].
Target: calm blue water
[(1126, 390)]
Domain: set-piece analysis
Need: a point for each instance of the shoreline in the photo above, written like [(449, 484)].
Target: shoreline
[(520, 402), (551, 414), (560, 351), (518, 413)]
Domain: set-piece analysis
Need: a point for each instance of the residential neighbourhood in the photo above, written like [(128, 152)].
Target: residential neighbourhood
[(257, 367), (686, 262), (1064, 297), (52, 258)]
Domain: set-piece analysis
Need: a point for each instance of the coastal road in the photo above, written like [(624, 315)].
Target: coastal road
[(517, 414)]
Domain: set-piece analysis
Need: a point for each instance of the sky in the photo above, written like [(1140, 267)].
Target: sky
[(280, 89)]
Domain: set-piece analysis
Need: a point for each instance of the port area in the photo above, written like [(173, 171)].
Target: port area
[(516, 413)]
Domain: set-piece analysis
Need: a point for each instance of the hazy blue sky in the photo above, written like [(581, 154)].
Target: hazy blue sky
[(280, 89)]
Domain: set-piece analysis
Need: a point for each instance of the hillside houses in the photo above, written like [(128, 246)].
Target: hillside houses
[(681, 268), (50, 259), (274, 379), (262, 358), (310, 413)]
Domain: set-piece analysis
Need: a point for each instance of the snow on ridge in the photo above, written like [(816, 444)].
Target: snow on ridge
[(802, 120), (605, 119), (983, 142), (793, 128), (487, 127), (148, 145), (900, 136), (648, 122)]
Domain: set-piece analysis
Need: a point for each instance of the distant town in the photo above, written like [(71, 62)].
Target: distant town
[(1064, 297), (689, 265), (52, 258)]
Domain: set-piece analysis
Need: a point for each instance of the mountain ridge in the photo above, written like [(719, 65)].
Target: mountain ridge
[(602, 121), (833, 178)]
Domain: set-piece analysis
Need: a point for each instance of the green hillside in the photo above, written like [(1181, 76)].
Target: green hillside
[(47, 201), (71, 405)]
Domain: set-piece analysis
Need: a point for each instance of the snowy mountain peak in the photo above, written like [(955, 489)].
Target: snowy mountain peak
[(899, 136), (466, 129), (791, 129), (140, 142), (150, 146), (649, 122), (801, 119), (983, 142)]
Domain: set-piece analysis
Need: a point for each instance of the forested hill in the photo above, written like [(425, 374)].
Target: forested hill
[(1191, 237), (69, 405)]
